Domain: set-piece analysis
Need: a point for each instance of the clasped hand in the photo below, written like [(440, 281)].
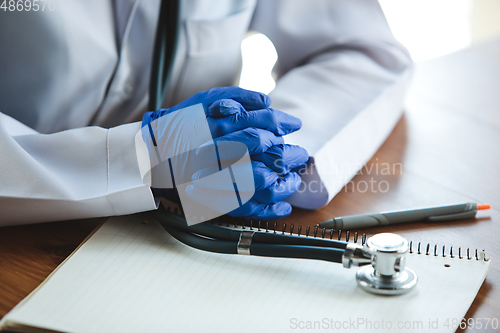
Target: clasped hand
[(237, 115)]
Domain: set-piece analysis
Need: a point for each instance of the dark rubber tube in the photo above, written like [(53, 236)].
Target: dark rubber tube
[(201, 243), (302, 252), (272, 238), (261, 237)]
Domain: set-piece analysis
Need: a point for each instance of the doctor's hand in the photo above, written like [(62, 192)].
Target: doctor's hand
[(274, 166), (237, 115), (229, 109)]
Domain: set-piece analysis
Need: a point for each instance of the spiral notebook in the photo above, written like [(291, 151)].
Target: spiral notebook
[(132, 276)]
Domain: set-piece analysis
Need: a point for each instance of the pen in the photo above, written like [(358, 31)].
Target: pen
[(434, 214)]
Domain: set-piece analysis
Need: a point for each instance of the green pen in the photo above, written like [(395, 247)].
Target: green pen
[(434, 214)]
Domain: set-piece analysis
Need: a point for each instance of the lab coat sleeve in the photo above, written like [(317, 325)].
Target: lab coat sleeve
[(338, 63), (78, 173)]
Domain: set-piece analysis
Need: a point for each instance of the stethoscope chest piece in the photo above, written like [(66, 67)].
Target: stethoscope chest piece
[(387, 274)]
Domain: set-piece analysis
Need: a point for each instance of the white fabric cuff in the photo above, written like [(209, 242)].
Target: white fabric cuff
[(126, 191)]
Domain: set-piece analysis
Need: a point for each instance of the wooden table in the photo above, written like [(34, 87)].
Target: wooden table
[(444, 150)]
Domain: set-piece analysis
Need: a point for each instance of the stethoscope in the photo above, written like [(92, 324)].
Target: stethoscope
[(381, 258), (163, 52)]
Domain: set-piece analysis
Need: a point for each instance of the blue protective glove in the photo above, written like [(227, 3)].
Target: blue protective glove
[(227, 110), (237, 115), (273, 163)]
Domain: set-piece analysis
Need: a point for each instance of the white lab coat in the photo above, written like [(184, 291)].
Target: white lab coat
[(68, 75)]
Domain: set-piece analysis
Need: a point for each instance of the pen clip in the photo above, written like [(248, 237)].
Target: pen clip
[(451, 217)]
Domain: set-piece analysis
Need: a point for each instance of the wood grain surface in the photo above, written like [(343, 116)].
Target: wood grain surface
[(444, 150)]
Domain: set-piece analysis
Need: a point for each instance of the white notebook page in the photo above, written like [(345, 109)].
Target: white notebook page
[(134, 277)]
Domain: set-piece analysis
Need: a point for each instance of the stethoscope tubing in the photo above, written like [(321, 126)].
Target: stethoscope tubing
[(166, 38), (212, 238)]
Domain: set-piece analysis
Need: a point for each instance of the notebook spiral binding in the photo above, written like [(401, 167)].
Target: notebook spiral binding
[(229, 222)]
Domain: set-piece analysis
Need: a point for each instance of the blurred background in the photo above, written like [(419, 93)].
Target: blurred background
[(428, 29)]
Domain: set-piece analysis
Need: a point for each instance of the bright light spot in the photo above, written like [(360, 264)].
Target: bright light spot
[(259, 57), (430, 28)]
